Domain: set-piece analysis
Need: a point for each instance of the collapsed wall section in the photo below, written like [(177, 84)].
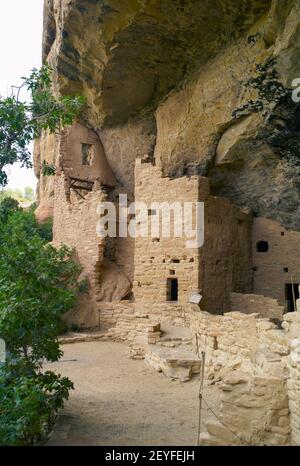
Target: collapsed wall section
[(226, 256), (252, 303)]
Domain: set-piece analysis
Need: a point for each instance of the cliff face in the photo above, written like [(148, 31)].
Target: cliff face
[(204, 87)]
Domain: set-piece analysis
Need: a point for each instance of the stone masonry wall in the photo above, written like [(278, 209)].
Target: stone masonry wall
[(157, 259), (134, 330), (230, 341), (292, 327), (294, 389), (253, 406), (273, 269), (134, 323), (164, 313), (226, 256), (221, 265), (237, 341), (258, 365), (70, 157), (75, 225)]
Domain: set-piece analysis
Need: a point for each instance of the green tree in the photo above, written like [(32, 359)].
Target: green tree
[(21, 121), (8, 206), (38, 284), (29, 194), (29, 404)]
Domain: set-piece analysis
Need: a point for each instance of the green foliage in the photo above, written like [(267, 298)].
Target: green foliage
[(21, 122), (28, 195), (45, 230), (84, 286), (48, 170), (29, 403), (7, 207), (38, 284)]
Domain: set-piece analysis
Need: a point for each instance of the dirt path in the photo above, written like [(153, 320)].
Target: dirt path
[(118, 401)]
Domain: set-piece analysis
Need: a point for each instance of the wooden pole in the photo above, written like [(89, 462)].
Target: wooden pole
[(293, 291)]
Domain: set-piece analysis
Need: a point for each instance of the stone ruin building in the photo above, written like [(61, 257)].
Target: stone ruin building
[(174, 127)]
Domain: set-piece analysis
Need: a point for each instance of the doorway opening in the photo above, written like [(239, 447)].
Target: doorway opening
[(172, 289), (291, 295)]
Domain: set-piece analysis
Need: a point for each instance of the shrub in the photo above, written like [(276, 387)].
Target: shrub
[(29, 403), (7, 207), (22, 121), (38, 284)]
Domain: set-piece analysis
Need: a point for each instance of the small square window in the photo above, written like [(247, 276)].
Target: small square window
[(151, 212)]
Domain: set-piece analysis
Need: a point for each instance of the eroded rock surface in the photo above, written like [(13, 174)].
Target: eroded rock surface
[(204, 87)]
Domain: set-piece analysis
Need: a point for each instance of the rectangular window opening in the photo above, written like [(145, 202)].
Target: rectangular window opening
[(172, 289), (87, 154)]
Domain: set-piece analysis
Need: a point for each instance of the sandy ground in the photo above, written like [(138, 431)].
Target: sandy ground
[(119, 401)]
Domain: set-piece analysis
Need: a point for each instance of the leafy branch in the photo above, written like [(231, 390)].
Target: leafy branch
[(21, 121)]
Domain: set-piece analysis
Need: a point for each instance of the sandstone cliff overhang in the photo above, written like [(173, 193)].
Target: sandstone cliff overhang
[(128, 55)]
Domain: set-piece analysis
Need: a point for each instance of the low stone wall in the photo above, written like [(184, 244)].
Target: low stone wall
[(135, 323), (111, 313), (255, 408), (168, 313), (252, 303), (258, 365), (229, 341), (75, 225), (294, 389), (137, 331), (236, 340), (291, 326)]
